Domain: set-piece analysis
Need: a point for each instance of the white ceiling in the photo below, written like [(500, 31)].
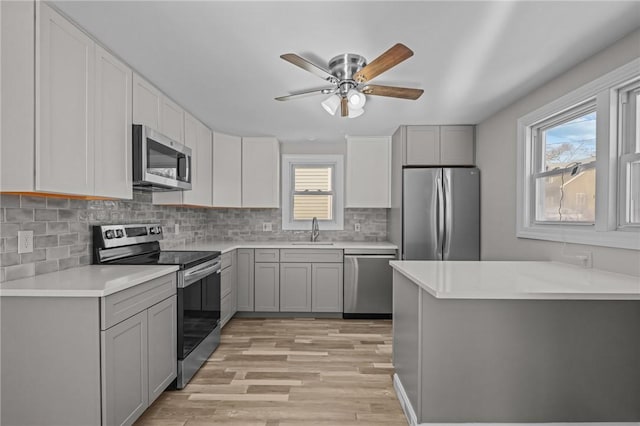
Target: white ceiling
[(220, 60)]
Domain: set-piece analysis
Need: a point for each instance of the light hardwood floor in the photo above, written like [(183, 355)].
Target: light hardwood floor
[(273, 372)]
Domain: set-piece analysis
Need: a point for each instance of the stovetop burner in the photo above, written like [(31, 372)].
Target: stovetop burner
[(185, 259)]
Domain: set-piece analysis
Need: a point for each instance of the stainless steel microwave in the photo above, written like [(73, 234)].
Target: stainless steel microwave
[(159, 163)]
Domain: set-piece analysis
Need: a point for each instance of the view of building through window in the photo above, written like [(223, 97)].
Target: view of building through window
[(566, 186)]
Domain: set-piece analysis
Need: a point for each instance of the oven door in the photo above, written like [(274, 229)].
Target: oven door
[(198, 305)]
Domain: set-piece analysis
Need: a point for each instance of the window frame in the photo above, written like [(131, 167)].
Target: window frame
[(607, 230), (629, 146), (334, 161), (538, 161)]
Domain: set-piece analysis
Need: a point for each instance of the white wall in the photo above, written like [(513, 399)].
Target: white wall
[(496, 157)]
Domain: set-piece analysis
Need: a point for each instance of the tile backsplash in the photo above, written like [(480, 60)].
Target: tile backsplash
[(62, 228)]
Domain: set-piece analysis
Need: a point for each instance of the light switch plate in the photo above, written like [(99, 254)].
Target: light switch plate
[(267, 227), (356, 227), (25, 241)]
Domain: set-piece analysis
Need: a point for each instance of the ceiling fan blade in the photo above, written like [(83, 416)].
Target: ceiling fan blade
[(393, 92), (296, 95), (309, 66), (344, 107), (382, 63)]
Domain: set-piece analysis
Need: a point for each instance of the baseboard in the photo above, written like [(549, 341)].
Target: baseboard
[(319, 315), (413, 420)]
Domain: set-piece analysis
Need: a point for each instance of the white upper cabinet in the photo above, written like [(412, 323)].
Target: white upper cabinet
[(456, 145), (73, 112), (227, 170), (17, 32), (368, 172), (152, 108), (147, 102), (113, 118), (439, 146), (65, 96), (172, 120), (423, 145), (260, 172)]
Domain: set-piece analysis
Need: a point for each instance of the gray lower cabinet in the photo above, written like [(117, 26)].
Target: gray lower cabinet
[(327, 287), (295, 287), (125, 369), (163, 352), (228, 288), (87, 360), (245, 280), (267, 287)]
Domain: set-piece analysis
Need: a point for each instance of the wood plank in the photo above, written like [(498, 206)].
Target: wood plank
[(289, 371)]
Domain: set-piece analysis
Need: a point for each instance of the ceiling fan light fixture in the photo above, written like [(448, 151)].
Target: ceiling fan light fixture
[(331, 104), (355, 112), (356, 99)]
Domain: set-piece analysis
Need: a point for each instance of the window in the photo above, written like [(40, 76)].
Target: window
[(579, 165), (565, 147), (312, 187), (629, 179)]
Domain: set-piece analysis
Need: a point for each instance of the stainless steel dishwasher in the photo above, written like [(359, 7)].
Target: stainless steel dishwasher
[(367, 283)]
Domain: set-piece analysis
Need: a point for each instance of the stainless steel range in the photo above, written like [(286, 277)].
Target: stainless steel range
[(198, 327)]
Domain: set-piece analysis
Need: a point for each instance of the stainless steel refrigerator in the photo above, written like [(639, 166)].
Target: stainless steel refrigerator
[(441, 213)]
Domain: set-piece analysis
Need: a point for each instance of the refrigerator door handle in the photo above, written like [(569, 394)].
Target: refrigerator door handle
[(448, 215), (440, 216)]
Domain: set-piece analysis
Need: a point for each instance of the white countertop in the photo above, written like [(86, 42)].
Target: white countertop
[(86, 281), (517, 280), (341, 245)]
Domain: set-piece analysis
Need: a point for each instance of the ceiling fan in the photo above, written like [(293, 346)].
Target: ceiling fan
[(349, 75)]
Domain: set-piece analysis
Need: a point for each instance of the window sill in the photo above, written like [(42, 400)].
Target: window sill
[(306, 226), (615, 239)]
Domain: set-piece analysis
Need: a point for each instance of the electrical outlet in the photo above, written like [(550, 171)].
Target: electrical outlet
[(25, 241), (267, 227), (356, 227), (177, 228)]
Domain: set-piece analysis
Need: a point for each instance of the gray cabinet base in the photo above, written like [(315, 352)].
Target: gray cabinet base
[(521, 361)]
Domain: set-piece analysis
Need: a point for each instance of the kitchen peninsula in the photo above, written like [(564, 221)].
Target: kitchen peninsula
[(515, 342)]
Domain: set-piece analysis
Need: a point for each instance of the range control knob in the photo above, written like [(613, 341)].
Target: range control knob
[(158, 229), (119, 233), (152, 230), (109, 234)]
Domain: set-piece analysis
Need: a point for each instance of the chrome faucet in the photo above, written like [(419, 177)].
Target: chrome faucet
[(315, 229)]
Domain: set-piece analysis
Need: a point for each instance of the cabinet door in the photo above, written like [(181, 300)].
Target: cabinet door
[(326, 287), (295, 287), (456, 145), (422, 146), (368, 172), (171, 120), (234, 283), (112, 127), (17, 51), (125, 391), (162, 323), (146, 103), (245, 280), (267, 287), (65, 101), (227, 170), (260, 172)]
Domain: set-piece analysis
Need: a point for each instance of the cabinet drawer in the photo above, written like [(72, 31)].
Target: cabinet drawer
[(267, 255), (311, 255), (121, 305), (227, 260)]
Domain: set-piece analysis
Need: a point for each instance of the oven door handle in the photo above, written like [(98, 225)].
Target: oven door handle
[(197, 274)]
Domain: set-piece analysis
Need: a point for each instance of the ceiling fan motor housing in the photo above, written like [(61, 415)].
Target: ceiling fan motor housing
[(346, 65)]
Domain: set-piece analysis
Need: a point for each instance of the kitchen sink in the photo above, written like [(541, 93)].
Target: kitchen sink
[(310, 243)]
